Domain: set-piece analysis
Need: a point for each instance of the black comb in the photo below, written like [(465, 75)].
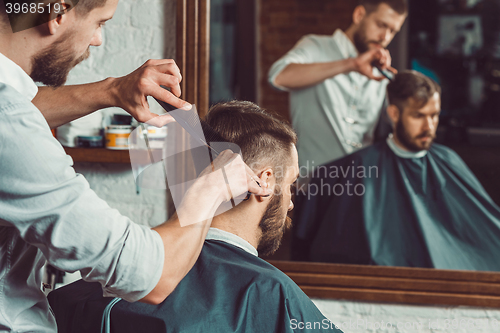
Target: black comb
[(190, 121), (389, 75)]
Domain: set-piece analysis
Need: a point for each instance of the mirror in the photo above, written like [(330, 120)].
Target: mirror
[(452, 42)]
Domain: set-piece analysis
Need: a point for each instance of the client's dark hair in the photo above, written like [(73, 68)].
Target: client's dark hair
[(411, 84), (399, 6), (264, 139)]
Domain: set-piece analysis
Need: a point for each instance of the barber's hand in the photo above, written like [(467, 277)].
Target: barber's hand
[(131, 91), (239, 176), (227, 177), (364, 63)]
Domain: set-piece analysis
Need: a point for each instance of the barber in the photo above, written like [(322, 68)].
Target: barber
[(336, 95), (47, 211)]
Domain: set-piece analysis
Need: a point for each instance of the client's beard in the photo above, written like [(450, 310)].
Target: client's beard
[(408, 142), (273, 225), (51, 65)]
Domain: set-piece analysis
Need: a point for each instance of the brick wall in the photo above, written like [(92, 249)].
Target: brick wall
[(281, 24)]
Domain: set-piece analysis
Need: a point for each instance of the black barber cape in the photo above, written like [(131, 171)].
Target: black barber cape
[(374, 207), (227, 290)]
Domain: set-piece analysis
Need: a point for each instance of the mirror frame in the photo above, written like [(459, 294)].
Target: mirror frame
[(193, 51), (395, 284), (333, 281)]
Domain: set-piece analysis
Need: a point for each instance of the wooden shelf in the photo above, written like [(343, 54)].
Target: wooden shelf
[(98, 155), (103, 155)]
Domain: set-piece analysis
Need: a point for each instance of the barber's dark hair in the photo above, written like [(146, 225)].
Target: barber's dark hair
[(399, 6), (82, 7), (411, 84), (264, 139), (3, 14)]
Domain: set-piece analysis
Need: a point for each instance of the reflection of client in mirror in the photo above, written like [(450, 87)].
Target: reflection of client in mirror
[(229, 288), (402, 202)]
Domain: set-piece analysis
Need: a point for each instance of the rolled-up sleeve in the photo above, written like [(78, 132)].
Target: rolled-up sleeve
[(54, 209), (302, 53)]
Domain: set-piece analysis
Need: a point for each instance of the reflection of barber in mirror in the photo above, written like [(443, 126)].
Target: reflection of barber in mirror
[(403, 202), (229, 289), (336, 95)]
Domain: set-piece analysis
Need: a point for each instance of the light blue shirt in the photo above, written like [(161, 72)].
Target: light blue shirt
[(337, 116), (224, 236), (48, 212), (213, 234), (402, 152)]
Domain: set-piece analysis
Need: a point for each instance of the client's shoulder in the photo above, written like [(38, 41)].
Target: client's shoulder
[(365, 155), (236, 261), (444, 152)]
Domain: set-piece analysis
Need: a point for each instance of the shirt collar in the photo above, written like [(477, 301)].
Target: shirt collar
[(401, 152), (14, 76), (227, 237), (346, 46)]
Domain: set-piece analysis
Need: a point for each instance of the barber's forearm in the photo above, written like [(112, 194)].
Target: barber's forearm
[(182, 248), (297, 76), (183, 239), (64, 104), (183, 244)]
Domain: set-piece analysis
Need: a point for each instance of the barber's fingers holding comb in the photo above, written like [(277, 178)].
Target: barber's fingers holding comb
[(237, 175), (247, 181), (386, 61), (130, 92), (364, 63)]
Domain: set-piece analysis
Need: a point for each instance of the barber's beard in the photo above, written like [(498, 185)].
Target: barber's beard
[(51, 65), (361, 42), (409, 142), (273, 225), (359, 39)]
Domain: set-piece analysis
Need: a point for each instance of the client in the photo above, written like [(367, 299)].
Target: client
[(402, 202), (229, 289)]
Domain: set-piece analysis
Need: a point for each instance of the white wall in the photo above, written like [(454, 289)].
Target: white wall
[(140, 30), (357, 317)]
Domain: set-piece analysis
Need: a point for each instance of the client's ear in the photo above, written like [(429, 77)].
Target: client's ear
[(267, 176), (393, 113)]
